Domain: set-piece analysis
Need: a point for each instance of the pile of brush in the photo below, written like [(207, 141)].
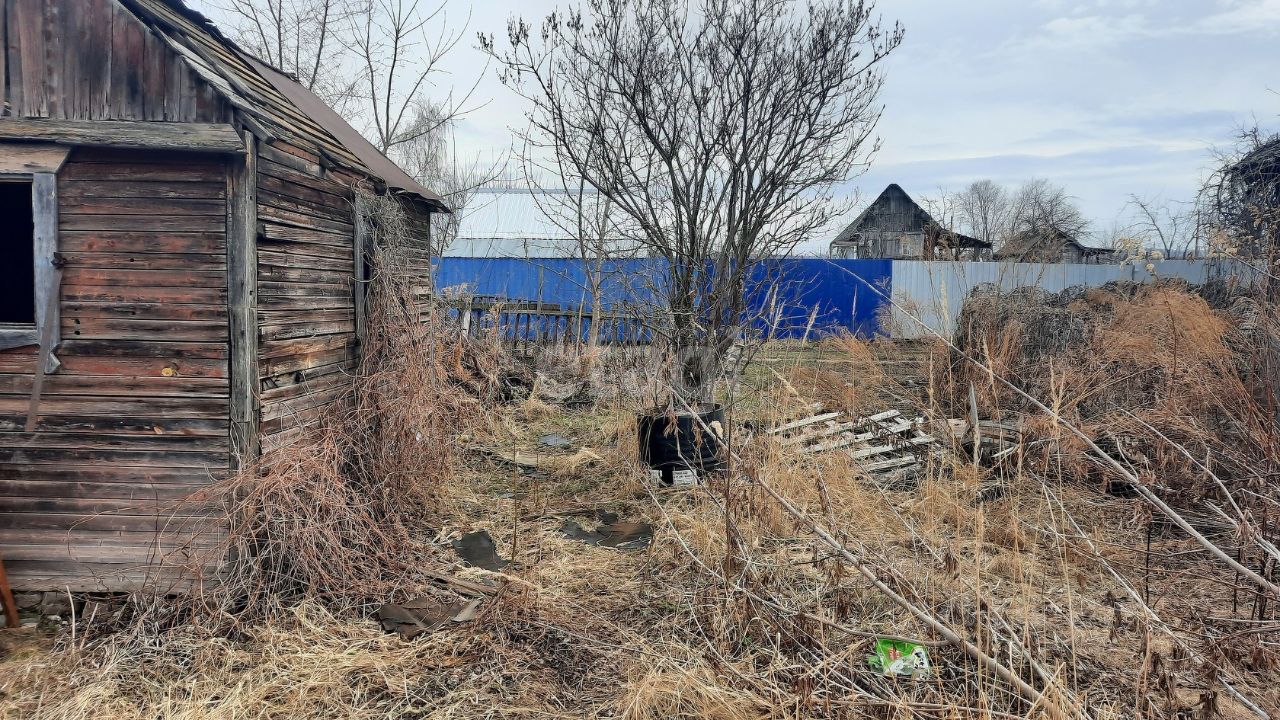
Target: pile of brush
[(1166, 383)]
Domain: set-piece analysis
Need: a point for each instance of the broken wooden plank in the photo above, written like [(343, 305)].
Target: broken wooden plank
[(833, 429), (881, 449), (881, 416), (870, 451), (796, 425), (889, 464)]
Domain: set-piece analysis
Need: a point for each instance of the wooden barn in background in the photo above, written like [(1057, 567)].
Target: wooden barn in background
[(182, 278)]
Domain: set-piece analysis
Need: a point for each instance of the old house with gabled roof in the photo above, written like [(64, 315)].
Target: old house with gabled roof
[(895, 227), (1050, 245), (183, 282)]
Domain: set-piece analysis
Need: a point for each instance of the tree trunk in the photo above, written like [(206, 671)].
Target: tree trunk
[(593, 340), (693, 375)]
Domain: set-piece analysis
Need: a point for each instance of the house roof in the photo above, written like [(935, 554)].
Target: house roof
[(511, 214), (523, 222), (1032, 243), (271, 102), (848, 236)]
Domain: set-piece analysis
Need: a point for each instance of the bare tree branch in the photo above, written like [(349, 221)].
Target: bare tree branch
[(717, 136)]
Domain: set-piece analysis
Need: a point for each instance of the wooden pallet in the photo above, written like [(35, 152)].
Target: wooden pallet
[(879, 443)]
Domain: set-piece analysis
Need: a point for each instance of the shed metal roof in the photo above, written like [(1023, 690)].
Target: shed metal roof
[(513, 214), (524, 222)]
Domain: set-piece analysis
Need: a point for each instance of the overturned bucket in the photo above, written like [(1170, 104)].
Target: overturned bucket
[(679, 448)]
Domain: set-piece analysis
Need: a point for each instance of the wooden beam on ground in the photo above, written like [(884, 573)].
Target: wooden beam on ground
[(189, 137)]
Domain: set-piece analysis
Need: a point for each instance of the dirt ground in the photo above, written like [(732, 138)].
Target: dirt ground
[(733, 610)]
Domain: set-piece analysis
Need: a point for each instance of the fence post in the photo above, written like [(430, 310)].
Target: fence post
[(466, 317)]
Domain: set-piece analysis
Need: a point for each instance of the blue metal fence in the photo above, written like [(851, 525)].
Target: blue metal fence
[(786, 292)]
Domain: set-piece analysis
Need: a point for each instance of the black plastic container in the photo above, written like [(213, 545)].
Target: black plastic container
[(679, 449)]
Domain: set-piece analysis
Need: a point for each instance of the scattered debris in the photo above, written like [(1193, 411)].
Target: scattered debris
[(572, 392), (477, 549), (533, 460), (421, 615), (899, 658), (998, 440), (555, 440), (612, 533)]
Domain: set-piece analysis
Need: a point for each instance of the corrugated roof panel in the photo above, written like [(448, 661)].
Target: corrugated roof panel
[(514, 214), (523, 223)]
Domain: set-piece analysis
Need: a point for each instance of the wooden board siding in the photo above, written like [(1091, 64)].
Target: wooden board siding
[(136, 418), (418, 252), (95, 60), (307, 346), (306, 288)]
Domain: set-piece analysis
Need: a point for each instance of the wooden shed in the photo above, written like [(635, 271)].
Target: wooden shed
[(182, 281)]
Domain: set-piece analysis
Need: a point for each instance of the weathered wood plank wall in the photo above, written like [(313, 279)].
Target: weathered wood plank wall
[(94, 60), (308, 344), (306, 311), (136, 418)]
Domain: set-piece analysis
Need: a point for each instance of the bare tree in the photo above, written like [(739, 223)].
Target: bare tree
[(431, 156), (1039, 206), (398, 46), (585, 215), (299, 37), (717, 136), (946, 209), (374, 61), (1174, 228), (983, 209)]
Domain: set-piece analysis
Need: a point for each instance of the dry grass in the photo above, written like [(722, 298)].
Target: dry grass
[(737, 609)]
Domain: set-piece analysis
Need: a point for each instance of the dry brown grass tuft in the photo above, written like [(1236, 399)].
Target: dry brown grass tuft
[(1165, 329), (687, 692)]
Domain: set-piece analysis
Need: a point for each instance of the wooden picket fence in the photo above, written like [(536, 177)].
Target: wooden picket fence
[(524, 324)]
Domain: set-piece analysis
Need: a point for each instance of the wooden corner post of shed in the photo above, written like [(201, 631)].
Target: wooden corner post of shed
[(360, 248), (242, 301)]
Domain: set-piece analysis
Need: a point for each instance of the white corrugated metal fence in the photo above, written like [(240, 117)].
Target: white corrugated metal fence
[(930, 292)]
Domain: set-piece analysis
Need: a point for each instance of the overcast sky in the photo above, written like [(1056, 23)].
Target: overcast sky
[(1105, 97)]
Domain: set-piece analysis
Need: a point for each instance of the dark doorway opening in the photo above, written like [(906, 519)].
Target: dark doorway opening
[(17, 255)]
